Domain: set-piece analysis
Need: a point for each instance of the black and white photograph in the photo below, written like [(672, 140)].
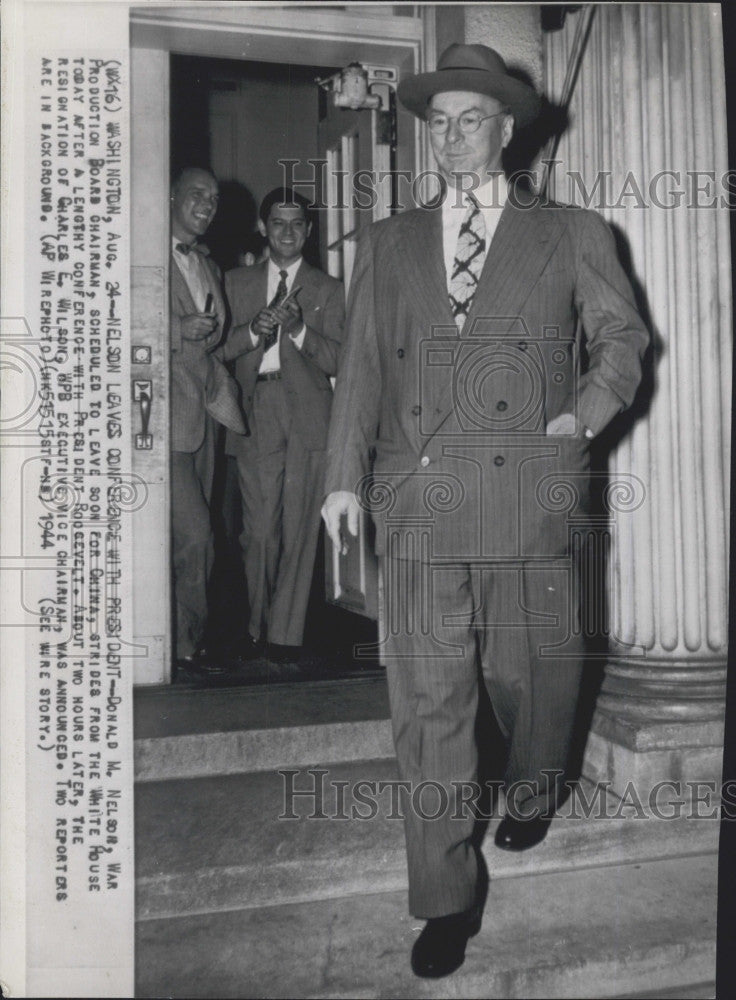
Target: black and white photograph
[(366, 460)]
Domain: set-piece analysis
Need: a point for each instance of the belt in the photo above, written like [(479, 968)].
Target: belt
[(269, 376)]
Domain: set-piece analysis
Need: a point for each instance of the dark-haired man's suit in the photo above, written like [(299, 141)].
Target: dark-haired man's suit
[(281, 465), (473, 502)]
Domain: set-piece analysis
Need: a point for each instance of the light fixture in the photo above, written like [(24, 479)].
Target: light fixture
[(360, 87)]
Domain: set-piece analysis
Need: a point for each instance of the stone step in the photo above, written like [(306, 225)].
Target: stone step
[(191, 733), (218, 844), (693, 991), (598, 932)]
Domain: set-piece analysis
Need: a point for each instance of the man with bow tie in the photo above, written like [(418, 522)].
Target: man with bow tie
[(203, 394), (287, 327), (461, 372)]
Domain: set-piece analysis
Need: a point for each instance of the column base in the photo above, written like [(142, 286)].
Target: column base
[(622, 750)]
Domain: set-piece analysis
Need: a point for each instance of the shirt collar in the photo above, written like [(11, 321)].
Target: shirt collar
[(490, 196), (290, 270)]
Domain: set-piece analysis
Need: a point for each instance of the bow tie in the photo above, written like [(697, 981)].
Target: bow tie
[(184, 248)]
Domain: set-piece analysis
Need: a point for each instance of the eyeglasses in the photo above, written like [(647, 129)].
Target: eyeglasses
[(469, 121)]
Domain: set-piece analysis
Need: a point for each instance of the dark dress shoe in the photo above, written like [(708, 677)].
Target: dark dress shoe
[(521, 834), (440, 948), (201, 663)]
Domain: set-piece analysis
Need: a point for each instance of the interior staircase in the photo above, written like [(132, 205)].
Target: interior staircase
[(235, 900)]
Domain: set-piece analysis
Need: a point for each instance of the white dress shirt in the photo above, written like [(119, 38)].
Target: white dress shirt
[(491, 198), (192, 270), (271, 361)]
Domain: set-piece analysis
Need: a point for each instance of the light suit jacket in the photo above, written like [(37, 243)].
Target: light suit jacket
[(457, 420), (306, 372), (200, 383)]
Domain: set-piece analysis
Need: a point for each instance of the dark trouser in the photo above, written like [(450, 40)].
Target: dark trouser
[(192, 540), (522, 621), (281, 491)]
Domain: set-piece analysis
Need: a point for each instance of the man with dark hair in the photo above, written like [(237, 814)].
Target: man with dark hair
[(202, 395), (284, 196), (287, 326), (461, 370)]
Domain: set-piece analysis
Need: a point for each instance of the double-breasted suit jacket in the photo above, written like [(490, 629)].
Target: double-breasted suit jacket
[(281, 465), (474, 502), (458, 419)]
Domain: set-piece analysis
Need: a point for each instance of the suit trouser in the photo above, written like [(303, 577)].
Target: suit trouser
[(522, 621), (192, 539), (281, 491)]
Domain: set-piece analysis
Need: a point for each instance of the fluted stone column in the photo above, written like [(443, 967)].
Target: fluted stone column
[(650, 98)]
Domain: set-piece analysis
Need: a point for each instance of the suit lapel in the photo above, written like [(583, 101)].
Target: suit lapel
[(213, 285), (261, 284), (181, 290), (422, 260), (519, 250), (304, 279)]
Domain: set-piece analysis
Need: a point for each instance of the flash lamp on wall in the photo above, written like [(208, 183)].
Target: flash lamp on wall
[(360, 87)]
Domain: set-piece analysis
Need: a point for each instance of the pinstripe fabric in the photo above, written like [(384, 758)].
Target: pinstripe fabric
[(469, 490), (545, 268), (514, 615)]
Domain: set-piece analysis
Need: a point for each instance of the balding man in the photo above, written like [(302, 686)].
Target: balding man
[(203, 394)]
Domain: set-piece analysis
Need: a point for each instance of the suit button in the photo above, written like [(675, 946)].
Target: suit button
[(502, 405), (416, 410), (400, 353), (424, 461), (499, 460), (522, 345)]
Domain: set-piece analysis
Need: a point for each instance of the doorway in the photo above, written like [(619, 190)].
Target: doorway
[(227, 47), (239, 118)]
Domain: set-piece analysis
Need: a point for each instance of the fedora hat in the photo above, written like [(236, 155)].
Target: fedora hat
[(475, 68)]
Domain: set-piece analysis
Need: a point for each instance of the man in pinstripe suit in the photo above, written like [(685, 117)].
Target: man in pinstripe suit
[(460, 367)]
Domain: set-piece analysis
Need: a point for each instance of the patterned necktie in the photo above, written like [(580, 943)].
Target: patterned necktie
[(184, 248), (281, 291), (468, 263)]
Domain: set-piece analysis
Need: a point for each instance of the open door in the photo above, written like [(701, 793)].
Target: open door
[(359, 148)]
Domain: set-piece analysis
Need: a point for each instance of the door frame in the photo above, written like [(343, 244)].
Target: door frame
[(246, 33)]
